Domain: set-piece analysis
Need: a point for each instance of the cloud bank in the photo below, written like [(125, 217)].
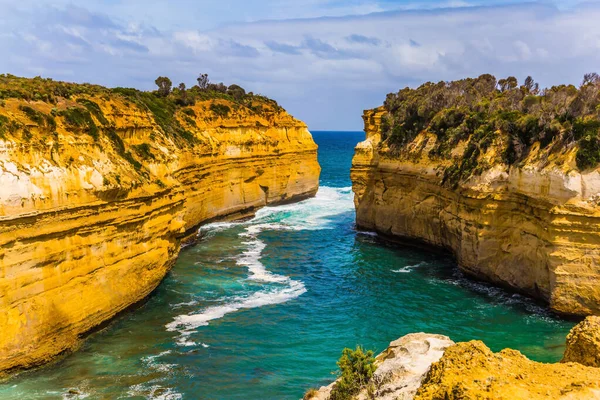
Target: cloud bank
[(323, 70)]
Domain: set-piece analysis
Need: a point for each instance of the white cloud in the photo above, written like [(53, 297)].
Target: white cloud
[(194, 40), (523, 50)]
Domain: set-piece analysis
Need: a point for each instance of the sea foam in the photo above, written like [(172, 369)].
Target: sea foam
[(409, 268), (312, 214)]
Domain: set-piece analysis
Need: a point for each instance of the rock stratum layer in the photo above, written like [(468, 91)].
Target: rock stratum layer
[(427, 367), (98, 187), (532, 226)]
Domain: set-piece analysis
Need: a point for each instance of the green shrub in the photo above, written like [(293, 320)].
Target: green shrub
[(189, 111), (125, 92), (189, 120), (94, 108), (310, 393), (220, 109), (356, 370), (3, 126), (129, 157), (144, 150), (588, 154), (26, 135), (42, 120), (80, 118), (32, 114), (237, 92)]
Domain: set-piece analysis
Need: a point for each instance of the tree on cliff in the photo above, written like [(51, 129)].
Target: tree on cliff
[(217, 87), (531, 86), (509, 83), (203, 81), (183, 99), (591, 79), (236, 91), (164, 85)]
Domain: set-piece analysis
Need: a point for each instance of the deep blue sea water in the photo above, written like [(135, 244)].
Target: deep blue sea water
[(262, 309)]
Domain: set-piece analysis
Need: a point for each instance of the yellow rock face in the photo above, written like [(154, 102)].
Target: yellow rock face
[(583, 343), (472, 371), (535, 228), (85, 233)]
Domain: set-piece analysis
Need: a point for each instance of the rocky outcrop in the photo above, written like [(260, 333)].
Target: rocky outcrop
[(472, 371), (401, 367), (98, 188), (583, 343), (531, 226), (427, 367)]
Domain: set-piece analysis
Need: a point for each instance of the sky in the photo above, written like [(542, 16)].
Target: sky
[(325, 61)]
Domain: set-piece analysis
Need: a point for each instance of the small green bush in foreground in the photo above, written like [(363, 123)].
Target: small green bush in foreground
[(356, 370)]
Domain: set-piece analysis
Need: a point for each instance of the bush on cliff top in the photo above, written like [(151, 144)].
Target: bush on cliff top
[(474, 110), (77, 108), (356, 370), (50, 91)]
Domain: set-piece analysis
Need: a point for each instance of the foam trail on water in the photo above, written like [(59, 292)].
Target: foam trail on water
[(258, 299), (251, 257), (409, 268), (312, 214)]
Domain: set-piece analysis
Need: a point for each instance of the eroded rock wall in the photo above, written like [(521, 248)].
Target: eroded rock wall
[(90, 225), (533, 227)]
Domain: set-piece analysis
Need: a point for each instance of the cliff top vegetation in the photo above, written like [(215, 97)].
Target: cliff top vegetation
[(479, 110), (50, 91), (82, 107), (48, 116)]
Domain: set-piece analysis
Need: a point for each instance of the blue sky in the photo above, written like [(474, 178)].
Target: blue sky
[(323, 60)]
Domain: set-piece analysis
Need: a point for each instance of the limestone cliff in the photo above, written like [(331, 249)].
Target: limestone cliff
[(98, 187), (528, 221)]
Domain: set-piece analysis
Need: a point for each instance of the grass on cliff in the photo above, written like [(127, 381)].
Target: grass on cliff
[(476, 110)]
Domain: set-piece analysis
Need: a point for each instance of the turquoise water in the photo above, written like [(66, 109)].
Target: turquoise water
[(262, 309)]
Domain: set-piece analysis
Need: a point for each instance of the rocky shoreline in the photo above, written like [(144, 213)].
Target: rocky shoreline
[(425, 366)]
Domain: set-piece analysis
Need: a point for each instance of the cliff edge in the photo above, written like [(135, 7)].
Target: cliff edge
[(423, 366), (504, 176), (99, 186)]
